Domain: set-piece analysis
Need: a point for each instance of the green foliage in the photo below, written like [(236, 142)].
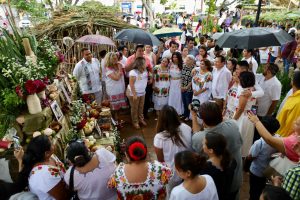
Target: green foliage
[(35, 9), (163, 2), (10, 107)]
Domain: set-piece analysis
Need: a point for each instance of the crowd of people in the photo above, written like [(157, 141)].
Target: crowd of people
[(232, 109)]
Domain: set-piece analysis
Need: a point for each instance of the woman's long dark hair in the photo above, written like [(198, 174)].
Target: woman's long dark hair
[(168, 123), (218, 143), (190, 161), (207, 64), (78, 154), (204, 48), (35, 153), (179, 57)]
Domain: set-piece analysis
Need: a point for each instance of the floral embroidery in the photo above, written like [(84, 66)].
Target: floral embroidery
[(54, 171), (153, 188)]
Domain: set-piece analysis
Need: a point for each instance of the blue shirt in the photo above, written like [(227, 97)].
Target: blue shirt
[(262, 152)]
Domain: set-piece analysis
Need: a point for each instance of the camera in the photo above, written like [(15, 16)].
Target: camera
[(195, 105)]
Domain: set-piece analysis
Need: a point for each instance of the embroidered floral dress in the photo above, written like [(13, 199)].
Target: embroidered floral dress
[(162, 82), (153, 188), (43, 178), (115, 90), (201, 81), (231, 101)]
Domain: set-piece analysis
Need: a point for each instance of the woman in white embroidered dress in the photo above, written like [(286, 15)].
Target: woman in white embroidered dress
[(175, 99), (139, 179), (161, 84), (202, 81), (243, 106), (41, 170), (115, 85)]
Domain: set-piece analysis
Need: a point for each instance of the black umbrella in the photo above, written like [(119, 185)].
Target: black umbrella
[(137, 36), (251, 38)]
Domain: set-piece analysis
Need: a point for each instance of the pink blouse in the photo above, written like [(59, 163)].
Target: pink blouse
[(289, 143)]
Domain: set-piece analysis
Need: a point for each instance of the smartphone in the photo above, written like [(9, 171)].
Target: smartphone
[(17, 144), (254, 109)]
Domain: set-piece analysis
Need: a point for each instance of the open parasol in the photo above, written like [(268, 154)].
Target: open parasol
[(96, 39)]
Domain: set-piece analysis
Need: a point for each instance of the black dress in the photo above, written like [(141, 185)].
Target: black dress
[(222, 179)]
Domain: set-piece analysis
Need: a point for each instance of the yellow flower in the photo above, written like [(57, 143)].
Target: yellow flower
[(123, 179), (164, 178), (112, 183)]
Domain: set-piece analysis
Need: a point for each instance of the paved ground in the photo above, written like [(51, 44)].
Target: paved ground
[(148, 134)]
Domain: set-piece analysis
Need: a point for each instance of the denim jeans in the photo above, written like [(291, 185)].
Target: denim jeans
[(286, 64), (186, 100), (272, 59)]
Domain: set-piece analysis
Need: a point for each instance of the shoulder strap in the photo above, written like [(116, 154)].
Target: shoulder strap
[(71, 181)]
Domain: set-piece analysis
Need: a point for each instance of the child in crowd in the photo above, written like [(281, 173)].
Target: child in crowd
[(194, 187), (260, 153)]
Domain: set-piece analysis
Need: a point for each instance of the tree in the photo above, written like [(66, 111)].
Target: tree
[(163, 2), (149, 12)]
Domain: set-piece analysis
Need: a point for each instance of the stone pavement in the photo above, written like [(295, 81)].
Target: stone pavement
[(148, 134)]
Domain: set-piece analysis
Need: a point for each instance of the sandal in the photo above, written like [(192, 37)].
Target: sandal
[(136, 126)]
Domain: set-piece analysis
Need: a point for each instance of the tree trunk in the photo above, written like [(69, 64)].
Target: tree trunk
[(50, 4), (76, 2), (147, 5)]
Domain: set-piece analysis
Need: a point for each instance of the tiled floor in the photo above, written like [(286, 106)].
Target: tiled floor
[(148, 133)]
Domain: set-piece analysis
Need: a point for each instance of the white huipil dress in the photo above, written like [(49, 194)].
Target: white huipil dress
[(246, 127), (175, 99), (162, 82), (201, 81)]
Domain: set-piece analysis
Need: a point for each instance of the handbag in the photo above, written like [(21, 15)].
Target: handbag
[(74, 195)]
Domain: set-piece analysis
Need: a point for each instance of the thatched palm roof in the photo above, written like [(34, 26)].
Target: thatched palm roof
[(81, 20)]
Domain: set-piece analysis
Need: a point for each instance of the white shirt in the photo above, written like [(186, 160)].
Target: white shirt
[(167, 54), (123, 61), (208, 193), (275, 51), (169, 148), (93, 185), (44, 178), (94, 72), (272, 91), (220, 82), (254, 63), (140, 83), (103, 70)]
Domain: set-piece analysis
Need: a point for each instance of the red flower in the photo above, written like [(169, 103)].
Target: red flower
[(30, 87), (46, 80), (40, 85), (19, 91), (81, 124)]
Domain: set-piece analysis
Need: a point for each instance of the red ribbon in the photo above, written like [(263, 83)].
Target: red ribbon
[(134, 146)]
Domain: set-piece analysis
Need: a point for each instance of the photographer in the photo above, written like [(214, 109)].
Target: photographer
[(211, 115)]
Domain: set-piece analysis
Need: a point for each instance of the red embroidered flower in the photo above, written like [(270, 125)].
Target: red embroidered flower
[(30, 87)]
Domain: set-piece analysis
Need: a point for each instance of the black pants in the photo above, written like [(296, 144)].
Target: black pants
[(148, 99), (257, 184)]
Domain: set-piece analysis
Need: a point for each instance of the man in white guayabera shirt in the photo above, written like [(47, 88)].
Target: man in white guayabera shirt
[(87, 73), (221, 79), (248, 56)]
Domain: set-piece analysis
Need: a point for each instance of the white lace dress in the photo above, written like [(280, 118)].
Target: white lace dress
[(175, 99)]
